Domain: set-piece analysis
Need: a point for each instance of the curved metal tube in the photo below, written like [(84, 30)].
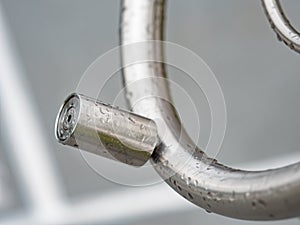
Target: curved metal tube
[(260, 195), (281, 25)]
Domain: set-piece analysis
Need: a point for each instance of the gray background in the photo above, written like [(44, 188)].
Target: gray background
[(58, 39)]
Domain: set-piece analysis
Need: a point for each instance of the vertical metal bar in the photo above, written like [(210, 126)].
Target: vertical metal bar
[(21, 123)]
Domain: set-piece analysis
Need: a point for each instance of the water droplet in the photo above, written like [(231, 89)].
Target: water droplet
[(183, 176), (208, 211), (191, 196), (262, 202), (131, 119), (188, 181), (101, 110)]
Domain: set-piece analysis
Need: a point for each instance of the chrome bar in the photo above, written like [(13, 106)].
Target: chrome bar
[(281, 25), (26, 138), (251, 195)]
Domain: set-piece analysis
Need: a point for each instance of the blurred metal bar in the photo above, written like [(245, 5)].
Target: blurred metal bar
[(26, 138), (106, 209), (8, 196), (111, 208), (260, 195), (96, 127), (281, 25)]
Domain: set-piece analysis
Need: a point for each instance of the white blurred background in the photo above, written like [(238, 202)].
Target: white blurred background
[(53, 42)]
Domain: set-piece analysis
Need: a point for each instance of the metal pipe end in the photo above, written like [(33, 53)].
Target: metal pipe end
[(67, 118), (96, 127)]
